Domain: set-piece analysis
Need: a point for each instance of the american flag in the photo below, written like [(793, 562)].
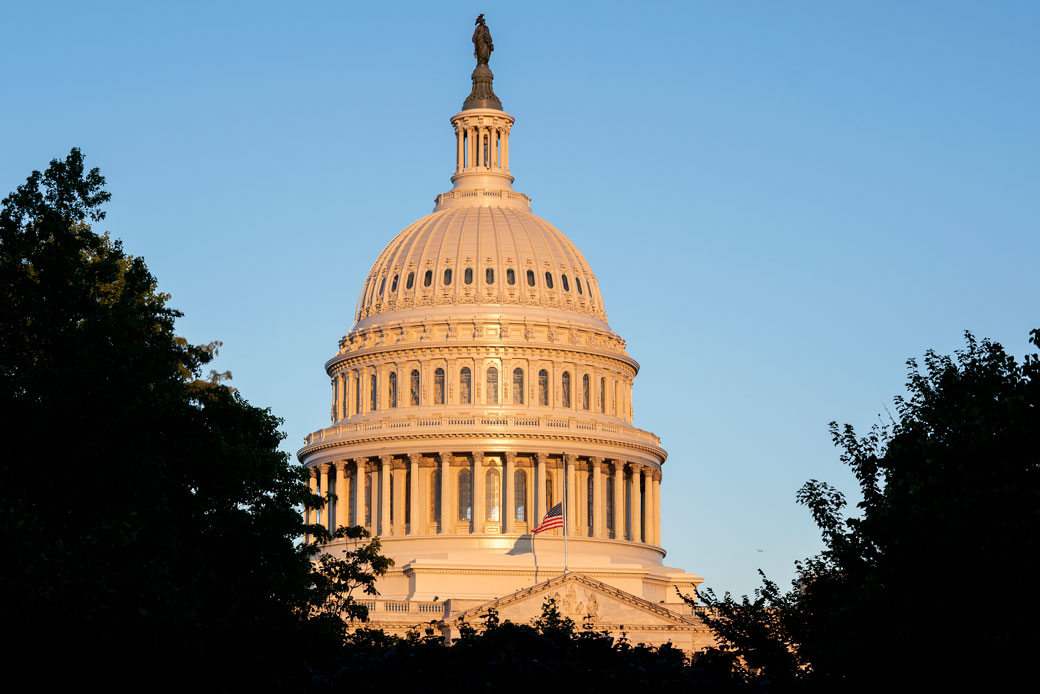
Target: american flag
[(553, 519)]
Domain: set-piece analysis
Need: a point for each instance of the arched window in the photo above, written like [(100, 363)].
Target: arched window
[(373, 392), (577, 283), (435, 495), (393, 285), (566, 286), (438, 387), (392, 394), (427, 278), (566, 389), (492, 386), (609, 484), (518, 386), (368, 499), (543, 387), (447, 277), (530, 278), (465, 386), (520, 495), (410, 282), (510, 276), (585, 392), (548, 490), (414, 388), (465, 495), (548, 279), (489, 276), (467, 276), (493, 496), (590, 496), (603, 395)]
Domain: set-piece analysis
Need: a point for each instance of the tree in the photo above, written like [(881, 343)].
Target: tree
[(147, 516), (932, 579)]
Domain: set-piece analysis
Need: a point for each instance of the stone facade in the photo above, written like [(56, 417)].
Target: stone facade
[(480, 385)]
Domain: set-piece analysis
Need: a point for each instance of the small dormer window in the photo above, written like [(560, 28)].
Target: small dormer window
[(530, 278), (510, 277), (393, 284), (447, 277), (548, 280), (489, 276), (410, 282), (577, 283), (382, 286), (467, 277), (566, 286), (427, 278)]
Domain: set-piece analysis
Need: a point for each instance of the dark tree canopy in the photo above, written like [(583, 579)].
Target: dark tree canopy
[(932, 580)]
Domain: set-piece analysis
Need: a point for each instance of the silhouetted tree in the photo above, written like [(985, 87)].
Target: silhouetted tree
[(932, 580)]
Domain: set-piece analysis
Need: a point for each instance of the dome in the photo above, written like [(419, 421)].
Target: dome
[(481, 255)]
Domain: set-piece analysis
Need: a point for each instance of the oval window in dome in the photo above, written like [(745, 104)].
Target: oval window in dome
[(548, 279), (577, 283), (566, 286), (410, 282), (382, 286), (468, 275), (428, 278), (489, 276), (530, 278), (510, 276), (393, 285), (447, 277)]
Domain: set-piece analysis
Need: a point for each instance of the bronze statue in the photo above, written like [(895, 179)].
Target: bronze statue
[(482, 45)]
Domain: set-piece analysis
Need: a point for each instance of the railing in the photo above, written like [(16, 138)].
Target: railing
[(456, 421), (417, 607)]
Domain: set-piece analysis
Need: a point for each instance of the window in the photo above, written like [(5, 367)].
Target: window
[(590, 496), (493, 496), (447, 277), (465, 495), (489, 276), (609, 489), (410, 282), (382, 286), (465, 386), (435, 495), (577, 283), (373, 392), (393, 285), (492, 386), (438, 387), (510, 277), (548, 491), (414, 388), (392, 394), (530, 278), (603, 395), (518, 386), (543, 388), (585, 392), (566, 394), (566, 286), (391, 481), (520, 495), (548, 280), (368, 499), (427, 278), (467, 276)]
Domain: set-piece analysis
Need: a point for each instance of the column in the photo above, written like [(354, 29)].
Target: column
[(323, 470), (572, 497), (384, 494), (342, 494), (473, 145), (460, 156), (359, 492), (657, 508), (478, 493), (509, 494), (637, 505), (399, 479), (416, 514), (505, 159), (619, 499), (309, 514), (493, 144), (650, 504), (539, 489), (446, 515), (599, 502)]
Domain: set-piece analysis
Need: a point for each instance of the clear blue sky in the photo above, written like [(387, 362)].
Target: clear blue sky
[(782, 201)]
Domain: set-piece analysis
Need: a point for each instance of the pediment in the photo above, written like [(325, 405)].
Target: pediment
[(580, 598)]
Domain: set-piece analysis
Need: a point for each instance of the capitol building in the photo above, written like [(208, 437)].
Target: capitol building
[(479, 385)]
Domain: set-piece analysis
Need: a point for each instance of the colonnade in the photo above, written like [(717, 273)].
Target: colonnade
[(483, 146), (451, 493)]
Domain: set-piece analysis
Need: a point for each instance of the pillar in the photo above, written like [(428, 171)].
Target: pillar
[(619, 500), (509, 494), (323, 471), (599, 502), (342, 494), (572, 497), (460, 149), (309, 514), (359, 491), (505, 165), (651, 503), (657, 508), (478, 493), (446, 515), (384, 494), (637, 504), (539, 489), (416, 512)]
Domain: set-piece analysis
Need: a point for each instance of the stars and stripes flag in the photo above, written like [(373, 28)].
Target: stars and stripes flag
[(553, 519)]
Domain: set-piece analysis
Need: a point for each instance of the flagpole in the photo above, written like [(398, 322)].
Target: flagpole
[(565, 516)]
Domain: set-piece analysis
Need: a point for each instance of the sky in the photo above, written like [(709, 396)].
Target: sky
[(782, 202)]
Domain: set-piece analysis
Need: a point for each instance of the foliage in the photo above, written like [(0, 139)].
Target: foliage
[(146, 513), (336, 579), (933, 576)]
